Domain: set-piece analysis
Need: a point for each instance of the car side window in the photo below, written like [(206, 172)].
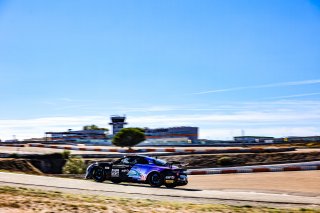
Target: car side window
[(128, 161), (142, 161), (125, 161)]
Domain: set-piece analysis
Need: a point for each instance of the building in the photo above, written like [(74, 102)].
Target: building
[(78, 136), (303, 139), (117, 123), (183, 134), (35, 139), (173, 132), (253, 139)]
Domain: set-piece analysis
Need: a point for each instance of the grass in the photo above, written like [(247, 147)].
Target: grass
[(19, 199)]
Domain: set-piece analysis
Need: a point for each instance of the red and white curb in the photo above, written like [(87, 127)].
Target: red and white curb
[(173, 150), (273, 168)]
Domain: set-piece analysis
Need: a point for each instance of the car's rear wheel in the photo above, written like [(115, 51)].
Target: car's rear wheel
[(98, 174), (155, 179)]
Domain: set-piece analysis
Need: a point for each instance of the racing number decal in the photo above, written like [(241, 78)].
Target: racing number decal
[(115, 173), (125, 171)]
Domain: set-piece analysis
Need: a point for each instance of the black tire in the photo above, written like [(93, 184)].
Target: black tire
[(115, 180), (98, 174), (155, 179)]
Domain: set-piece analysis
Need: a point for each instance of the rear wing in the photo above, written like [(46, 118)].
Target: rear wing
[(179, 164)]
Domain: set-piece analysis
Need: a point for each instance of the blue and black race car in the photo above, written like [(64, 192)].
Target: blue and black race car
[(138, 168)]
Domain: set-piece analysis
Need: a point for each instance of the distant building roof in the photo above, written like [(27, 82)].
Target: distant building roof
[(79, 132), (253, 137)]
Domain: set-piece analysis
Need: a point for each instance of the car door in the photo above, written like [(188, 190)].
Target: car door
[(140, 169), (121, 168)]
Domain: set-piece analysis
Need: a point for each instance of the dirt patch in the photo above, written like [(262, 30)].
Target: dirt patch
[(18, 165), (29, 200)]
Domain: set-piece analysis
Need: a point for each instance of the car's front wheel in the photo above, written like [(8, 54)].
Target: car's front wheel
[(98, 174), (155, 179)]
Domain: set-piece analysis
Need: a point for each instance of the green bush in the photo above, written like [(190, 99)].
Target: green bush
[(225, 161), (74, 165), (66, 154)]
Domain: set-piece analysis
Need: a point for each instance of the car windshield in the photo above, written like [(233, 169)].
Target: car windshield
[(159, 162)]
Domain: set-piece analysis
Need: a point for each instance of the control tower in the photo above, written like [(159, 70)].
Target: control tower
[(117, 123)]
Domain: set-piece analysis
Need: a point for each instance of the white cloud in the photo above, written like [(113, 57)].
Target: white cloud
[(229, 133), (292, 83), (236, 106), (284, 131), (293, 96), (207, 118), (28, 128)]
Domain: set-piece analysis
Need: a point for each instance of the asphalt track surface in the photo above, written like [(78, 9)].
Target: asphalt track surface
[(226, 189), (305, 183)]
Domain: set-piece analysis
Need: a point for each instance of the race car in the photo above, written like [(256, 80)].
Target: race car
[(139, 169)]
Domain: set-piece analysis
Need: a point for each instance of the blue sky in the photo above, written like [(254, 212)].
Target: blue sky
[(224, 66)]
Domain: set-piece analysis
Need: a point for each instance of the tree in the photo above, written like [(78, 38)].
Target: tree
[(94, 127), (128, 137)]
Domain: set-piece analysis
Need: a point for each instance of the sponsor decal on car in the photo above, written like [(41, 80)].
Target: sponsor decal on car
[(134, 174), (143, 177), (169, 179), (115, 173), (125, 170)]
